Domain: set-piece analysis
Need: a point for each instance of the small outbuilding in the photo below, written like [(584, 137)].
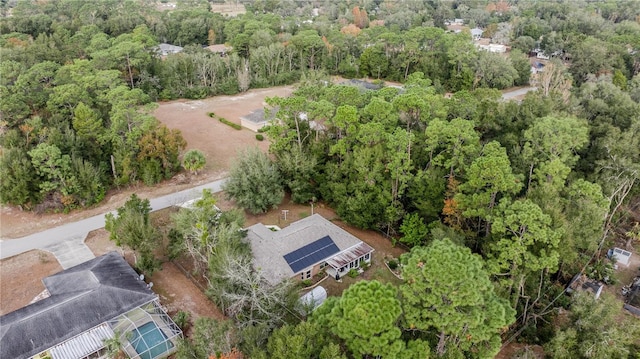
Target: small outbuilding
[(314, 298), (620, 256), (165, 49), (256, 120), (476, 33), (220, 49), (632, 302), (585, 284)]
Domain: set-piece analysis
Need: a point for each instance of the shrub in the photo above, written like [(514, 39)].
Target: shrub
[(182, 319), (229, 123), (306, 282), (211, 114), (259, 137), (353, 273), (393, 264), (193, 161)]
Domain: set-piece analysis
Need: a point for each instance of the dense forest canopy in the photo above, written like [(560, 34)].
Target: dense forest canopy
[(526, 193), (75, 74)]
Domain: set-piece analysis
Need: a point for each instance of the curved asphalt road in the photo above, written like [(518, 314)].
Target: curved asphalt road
[(73, 234)]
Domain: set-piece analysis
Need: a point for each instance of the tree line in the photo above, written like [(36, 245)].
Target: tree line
[(73, 73)]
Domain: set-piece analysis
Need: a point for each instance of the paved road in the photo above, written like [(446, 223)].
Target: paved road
[(515, 93), (66, 241)]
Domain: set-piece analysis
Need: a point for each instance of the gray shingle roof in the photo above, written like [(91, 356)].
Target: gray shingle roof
[(269, 247), (82, 297)]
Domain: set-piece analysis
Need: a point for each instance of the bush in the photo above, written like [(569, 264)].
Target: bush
[(193, 161), (229, 123), (353, 273), (306, 282), (211, 114), (393, 264), (259, 137), (182, 319)]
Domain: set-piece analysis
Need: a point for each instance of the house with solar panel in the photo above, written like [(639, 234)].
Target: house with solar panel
[(305, 248), (90, 303)]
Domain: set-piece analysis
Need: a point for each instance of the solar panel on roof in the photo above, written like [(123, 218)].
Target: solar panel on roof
[(311, 254)]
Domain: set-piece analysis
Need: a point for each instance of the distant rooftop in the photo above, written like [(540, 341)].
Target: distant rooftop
[(360, 83), (219, 48), (477, 32), (82, 297), (256, 116), (165, 49)]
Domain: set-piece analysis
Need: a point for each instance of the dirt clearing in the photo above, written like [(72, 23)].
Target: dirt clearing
[(21, 278)]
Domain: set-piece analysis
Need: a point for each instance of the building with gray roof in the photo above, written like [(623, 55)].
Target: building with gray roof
[(165, 49), (476, 33), (88, 304), (304, 248)]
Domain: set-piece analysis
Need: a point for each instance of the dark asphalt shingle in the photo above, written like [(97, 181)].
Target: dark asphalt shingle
[(82, 297)]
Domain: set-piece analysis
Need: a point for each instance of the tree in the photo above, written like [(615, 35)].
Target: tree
[(210, 337), (89, 185), (585, 208), (19, 185), (293, 128), (373, 62), (254, 182), (494, 71), (555, 79), (365, 317), (596, 329), (521, 64), (414, 231), (447, 296), (451, 145), (245, 295), (89, 130), (309, 45), (523, 43), (593, 56), (193, 161), (525, 243), (113, 347), (133, 228), (54, 169), (489, 177), (551, 146), (205, 231), (298, 171), (158, 154), (305, 340)]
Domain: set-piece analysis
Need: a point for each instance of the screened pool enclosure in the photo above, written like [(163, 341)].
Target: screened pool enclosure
[(146, 332)]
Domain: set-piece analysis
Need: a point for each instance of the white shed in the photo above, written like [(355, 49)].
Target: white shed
[(314, 298), (621, 256)]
